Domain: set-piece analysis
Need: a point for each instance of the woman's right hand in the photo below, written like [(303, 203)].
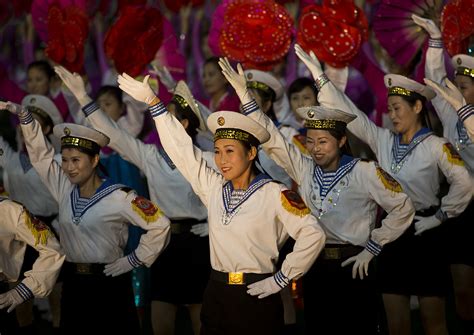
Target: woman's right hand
[(311, 61), (139, 90), (236, 79), (12, 107)]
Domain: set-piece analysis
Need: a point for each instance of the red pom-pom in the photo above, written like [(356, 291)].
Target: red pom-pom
[(134, 39), (333, 31), (255, 33), (457, 26)]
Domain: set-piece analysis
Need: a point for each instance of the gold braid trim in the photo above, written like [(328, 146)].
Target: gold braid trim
[(39, 230), (388, 181), (452, 155), (293, 203), (396, 90), (147, 210), (465, 71)]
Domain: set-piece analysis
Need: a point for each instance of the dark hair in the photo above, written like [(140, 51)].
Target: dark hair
[(43, 116), (188, 114), (247, 147), (300, 84), (212, 60), (267, 97), (411, 100), (338, 135), (43, 66), (112, 90), (100, 168)]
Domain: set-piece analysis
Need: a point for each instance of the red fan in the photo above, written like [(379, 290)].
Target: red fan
[(334, 31), (134, 38), (457, 25), (256, 33), (396, 31)]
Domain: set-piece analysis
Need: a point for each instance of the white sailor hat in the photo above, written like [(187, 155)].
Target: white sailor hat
[(184, 97), (464, 65), (400, 85), (76, 136), (264, 81), (319, 117), (236, 126), (43, 106)]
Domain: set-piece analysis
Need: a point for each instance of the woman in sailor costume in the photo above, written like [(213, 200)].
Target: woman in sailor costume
[(343, 193), (415, 263), (461, 251), (249, 215), (188, 250), (18, 228), (93, 227)]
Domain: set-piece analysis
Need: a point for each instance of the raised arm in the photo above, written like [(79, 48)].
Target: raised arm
[(40, 151), (283, 153), (330, 96), (176, 142)]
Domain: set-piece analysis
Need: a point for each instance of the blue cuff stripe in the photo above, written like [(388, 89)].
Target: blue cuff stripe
[(157, 110), (249, 107), (441, 215), (90, 108), (25, 118), (373, 247), (24, 291), (466, 111), (435, 43), (133, 260), (281, 279)]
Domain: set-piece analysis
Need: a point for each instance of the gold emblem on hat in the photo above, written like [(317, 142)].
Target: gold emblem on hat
[(249, 76), (220, 121), (310, 114), (389, 81), (459, 61), (67, 131), (32, 100)]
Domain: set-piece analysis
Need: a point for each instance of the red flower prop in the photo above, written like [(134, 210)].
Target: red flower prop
[(334, 31), (255, 33), (134, 39), (176, 5), (67, 30), (457, 25)]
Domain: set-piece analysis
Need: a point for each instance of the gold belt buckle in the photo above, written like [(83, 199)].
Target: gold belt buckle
[(83, 268), (332, 253), (236, 278)]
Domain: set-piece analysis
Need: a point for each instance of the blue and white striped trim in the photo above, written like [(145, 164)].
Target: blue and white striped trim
[(397, 155), (24, 292), (373, 247), (466, 111), (227, 189), (90, 108), (25, 117), (435, 43), (133, 260), (441, 215), (158, 109), (327, 181), (249, 107), (281, 279)]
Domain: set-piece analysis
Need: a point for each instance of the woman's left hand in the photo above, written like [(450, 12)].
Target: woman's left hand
[(361, 263), (236, 79), (12, 107), (139, 90)]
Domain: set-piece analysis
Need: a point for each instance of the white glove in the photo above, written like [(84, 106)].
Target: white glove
[(12, 107), (200, 229), (450, 93), (165, 76), (236, 79), (74, 83), (311, 61), (138, 90), (268, 286), (122, 265), (425, 223), (428, 25), (361, 263), (10, 299)]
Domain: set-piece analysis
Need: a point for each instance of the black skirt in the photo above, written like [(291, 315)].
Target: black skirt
[(180, 273), (461, 237), (8, 323), (92, 303), (415, 265)]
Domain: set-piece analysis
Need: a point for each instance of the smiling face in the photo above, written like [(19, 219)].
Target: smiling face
[(324, 148), (110, 105), (37, 81), (78, 166), (232, 158), (466, 85), (403, 116), (303, 98), (213, 80)]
